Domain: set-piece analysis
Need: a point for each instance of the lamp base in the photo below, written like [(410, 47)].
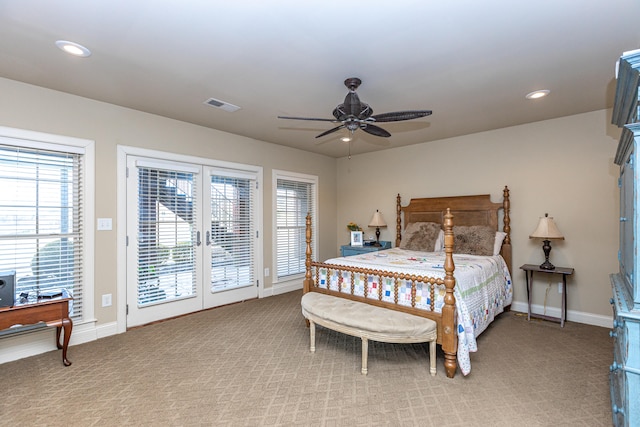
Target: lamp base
[(547, 266), (377, 243), (546, 248)]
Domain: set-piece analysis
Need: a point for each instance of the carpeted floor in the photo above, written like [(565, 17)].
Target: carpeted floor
[(249, 364)]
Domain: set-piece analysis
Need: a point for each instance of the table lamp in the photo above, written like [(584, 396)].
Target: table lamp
[(546, 231), (377, 221)]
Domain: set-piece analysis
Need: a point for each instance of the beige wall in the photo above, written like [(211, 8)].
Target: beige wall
[(562, 166), (37, 109)]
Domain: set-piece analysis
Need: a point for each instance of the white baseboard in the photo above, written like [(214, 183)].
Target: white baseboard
[(29, 344), (572, 316), (283, 287), (106, 330)]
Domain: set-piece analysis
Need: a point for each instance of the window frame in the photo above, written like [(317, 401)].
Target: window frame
[(299, 178), (37, 140)]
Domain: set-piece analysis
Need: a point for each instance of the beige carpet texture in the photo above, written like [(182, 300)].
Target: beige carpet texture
[(249, 364)]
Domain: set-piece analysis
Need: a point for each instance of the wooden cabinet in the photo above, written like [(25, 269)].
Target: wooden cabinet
[(625, 369), (348, 250)]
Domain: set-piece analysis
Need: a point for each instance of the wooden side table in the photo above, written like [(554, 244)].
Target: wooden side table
[(52, 312), (529, 269)]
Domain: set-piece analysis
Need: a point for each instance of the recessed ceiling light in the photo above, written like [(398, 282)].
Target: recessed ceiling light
[(345, 139), (72, 48), (538, 94)]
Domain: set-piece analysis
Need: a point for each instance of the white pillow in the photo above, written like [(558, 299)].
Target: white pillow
[(439, 246), (500, 235)]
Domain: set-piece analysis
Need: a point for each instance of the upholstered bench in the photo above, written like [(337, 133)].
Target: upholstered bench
[(368, 322)]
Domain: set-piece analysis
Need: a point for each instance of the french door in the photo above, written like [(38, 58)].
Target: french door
[(191, 238)]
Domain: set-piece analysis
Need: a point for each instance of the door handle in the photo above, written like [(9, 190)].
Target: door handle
[(208, 242), (198, 241)]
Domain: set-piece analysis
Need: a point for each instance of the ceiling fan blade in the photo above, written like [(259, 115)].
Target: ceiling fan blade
[(330, 131), (309, 118), (374, 130), (401, 115)]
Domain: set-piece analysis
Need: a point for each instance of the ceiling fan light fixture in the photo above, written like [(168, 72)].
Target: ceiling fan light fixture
[(538, 94), (72, 48), (352, 125)]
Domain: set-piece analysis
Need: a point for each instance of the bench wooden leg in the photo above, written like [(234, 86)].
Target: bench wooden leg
[(365, 355), (312, 337), (432, 357)]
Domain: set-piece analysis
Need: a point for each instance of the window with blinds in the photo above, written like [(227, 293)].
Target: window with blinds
[(232, 232), (295, 197), (41, 227), (166, 235)]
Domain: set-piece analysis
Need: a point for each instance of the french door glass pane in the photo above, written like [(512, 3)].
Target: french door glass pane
[(166, 235), (232, 233)]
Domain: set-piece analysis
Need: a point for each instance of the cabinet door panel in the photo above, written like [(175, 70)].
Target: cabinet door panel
[(627, 235)]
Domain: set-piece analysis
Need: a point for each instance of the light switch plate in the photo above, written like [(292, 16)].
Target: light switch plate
[(105, 224)]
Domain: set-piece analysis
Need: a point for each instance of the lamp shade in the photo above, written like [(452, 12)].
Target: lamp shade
[(377, 220), (546, 229)]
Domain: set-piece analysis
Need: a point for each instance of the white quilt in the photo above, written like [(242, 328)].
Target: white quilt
[(483, 287)]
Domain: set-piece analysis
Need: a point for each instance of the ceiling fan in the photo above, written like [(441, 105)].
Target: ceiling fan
[(355, 114)]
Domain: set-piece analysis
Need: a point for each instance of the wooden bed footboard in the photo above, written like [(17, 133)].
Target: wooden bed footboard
[(446, 319)]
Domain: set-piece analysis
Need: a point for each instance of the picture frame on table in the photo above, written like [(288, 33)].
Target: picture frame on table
[(356, 238)]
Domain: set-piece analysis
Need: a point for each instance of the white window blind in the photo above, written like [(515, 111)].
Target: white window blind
[(41, 227), (233, 233), (166, 235), (295, 198)]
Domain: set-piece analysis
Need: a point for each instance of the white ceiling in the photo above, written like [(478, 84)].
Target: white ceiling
[(470, 62)]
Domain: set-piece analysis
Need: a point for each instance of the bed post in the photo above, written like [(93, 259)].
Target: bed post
[(449, 321), (398, 221), (506, 245), (308, 281)]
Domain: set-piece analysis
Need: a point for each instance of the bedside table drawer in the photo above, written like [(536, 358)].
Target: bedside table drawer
[(348, 250)]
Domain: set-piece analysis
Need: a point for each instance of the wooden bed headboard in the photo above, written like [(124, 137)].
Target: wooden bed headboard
[(466, 210)]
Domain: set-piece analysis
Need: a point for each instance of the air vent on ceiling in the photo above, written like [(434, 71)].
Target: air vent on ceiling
[(222, 105)]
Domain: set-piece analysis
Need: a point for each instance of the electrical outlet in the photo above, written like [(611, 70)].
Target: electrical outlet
[(106, 300), (559, 287)]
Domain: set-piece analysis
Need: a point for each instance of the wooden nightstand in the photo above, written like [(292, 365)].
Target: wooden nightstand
[(529, 269), (348, 250)]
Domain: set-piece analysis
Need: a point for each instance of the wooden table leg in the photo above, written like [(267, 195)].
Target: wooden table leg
[(529, 278), (563, 314), (67, 324)]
